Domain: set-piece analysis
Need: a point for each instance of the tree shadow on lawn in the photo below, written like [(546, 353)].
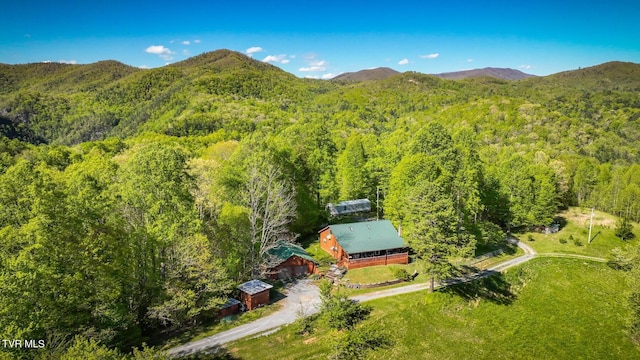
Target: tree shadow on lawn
[(509, 249), (213, 353), (561, 221), (471, 284)]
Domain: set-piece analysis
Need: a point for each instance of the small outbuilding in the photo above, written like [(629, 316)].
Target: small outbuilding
[(254, 293), (288, 260), (349, 207), (232, 306)]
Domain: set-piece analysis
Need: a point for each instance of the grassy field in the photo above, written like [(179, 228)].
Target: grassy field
[(576, 232), (374, 274), (545, 309)]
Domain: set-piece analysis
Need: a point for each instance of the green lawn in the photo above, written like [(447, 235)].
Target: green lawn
[(548, 308), (374, 274), (577, 229)]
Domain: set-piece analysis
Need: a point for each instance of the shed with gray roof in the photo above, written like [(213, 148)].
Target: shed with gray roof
[(254, 293)]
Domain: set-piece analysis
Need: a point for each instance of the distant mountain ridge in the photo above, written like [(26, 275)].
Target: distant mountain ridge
[(368, 74), (228, 91), (385, 72), (500, 73)]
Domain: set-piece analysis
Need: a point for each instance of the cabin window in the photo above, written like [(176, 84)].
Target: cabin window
[(376, 253)]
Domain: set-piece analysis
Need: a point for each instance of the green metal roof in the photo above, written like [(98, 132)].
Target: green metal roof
[(367, 236), (284, 250)]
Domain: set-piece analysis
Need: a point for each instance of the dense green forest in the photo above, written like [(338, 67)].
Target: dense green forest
[(133, 200)]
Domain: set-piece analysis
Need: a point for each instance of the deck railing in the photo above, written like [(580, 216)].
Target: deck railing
[(398, 258)]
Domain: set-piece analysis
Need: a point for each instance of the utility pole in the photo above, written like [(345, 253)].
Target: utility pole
[(590, 225), (377, 202)]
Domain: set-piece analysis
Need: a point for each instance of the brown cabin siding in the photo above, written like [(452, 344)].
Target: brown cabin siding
[(292, 266), (255, 300), (229, 310), (328, 242)]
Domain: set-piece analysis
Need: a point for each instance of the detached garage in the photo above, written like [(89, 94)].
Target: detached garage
[(287, 260)]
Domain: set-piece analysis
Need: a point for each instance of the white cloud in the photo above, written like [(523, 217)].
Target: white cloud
[(329, 76), (68, 62), (312, 69), (186, 52), (186, 42), (143, 67), (312, 77), (280, 59), (404, 61), (197, 41), (160, 50), (430, 56), (314, 65), (253, 49), (469, 60), (285, 61), (525, 67)]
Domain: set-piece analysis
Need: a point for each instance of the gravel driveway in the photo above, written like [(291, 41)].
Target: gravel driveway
[(301, 297)]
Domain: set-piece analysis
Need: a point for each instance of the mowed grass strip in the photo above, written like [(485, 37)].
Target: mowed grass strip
[(548, 308)]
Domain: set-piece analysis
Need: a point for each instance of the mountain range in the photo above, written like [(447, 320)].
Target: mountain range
[(227, 91), (385, 72)]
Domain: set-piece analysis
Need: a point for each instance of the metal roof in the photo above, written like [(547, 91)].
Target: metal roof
[(230, 303), (367, 236), (284, 250), (349, 207), (254, 286)]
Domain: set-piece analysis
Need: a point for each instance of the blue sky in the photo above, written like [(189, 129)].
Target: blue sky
[(324, 38)]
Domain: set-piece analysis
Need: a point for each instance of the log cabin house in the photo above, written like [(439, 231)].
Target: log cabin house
[(362, 244)]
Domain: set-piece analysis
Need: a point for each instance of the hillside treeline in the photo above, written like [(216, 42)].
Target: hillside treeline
[(133, 201)]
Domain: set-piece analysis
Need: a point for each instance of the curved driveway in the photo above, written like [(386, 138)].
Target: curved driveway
[(303, 298), (529, 253)]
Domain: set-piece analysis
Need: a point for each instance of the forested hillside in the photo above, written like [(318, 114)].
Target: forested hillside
[(134, 199)]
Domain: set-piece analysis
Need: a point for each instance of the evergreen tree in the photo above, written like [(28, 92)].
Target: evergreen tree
[(624, 229)]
